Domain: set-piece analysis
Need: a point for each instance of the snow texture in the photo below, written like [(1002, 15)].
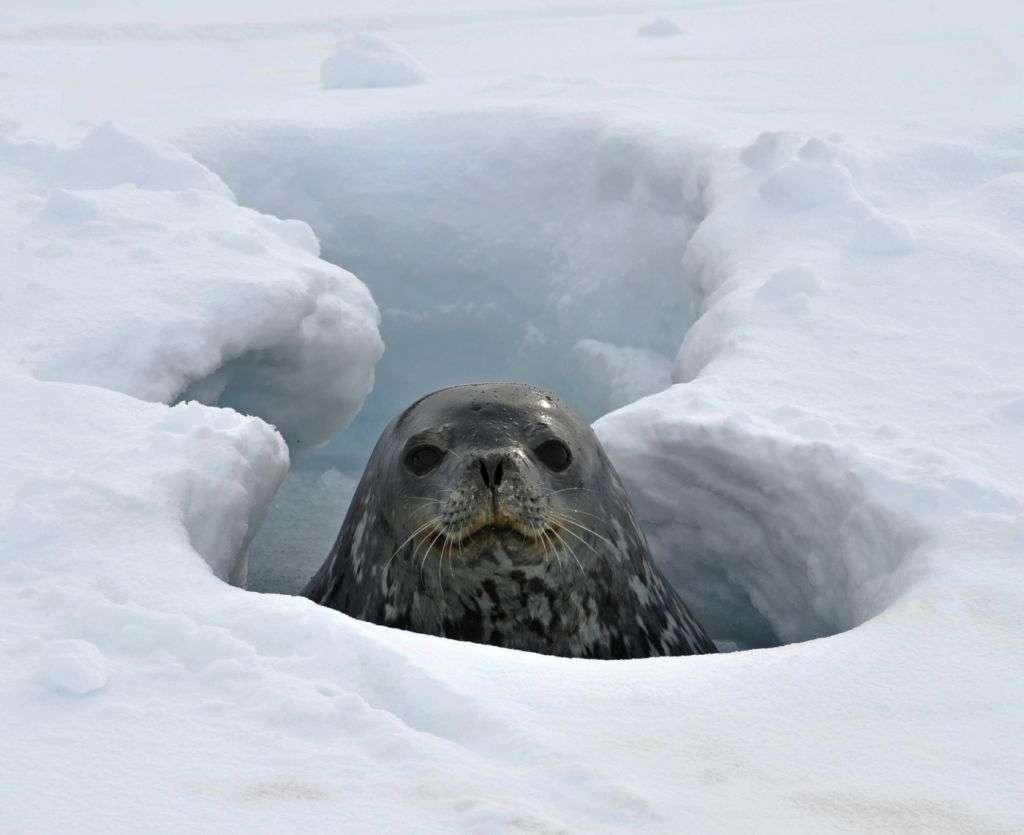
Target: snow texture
[(368, 60), (794, 260), (176, 291), (75, 667), (661, 27)]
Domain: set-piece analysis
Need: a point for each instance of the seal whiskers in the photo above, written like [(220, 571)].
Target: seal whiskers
[(567, 521), (508, 476)]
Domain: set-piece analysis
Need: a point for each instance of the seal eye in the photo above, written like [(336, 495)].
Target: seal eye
[(554, 455), (422, 459)]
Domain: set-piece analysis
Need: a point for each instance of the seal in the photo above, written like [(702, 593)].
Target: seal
[(490, 513)]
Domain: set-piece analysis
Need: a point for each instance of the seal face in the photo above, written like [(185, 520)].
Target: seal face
[(490, 513)]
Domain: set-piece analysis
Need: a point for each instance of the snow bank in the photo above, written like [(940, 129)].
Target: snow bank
[(178, 293), (167, 486), (368, 60), (107, 156), (772, 538), (131, 269)]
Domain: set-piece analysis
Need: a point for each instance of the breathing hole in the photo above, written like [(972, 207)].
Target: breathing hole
[(551, 249)]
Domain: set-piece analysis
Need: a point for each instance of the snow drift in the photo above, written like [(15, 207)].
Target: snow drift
[(368, 60), (177, 293), (773, 538)]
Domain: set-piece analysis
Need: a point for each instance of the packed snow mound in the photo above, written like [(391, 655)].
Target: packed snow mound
[(76, 667), (193, 478), (771, 538), (368, 60), (662, 27), (178, 292), (108, 156), (790, 287), (883, 235)]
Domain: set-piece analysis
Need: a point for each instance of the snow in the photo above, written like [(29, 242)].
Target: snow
[(75, 667), (883, 234), (369, 60), (661, 27), (776, 535), (174, 290), (171, 291), (794, 260)]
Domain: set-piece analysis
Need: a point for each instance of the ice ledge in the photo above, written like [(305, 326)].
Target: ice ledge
[(132, 270)]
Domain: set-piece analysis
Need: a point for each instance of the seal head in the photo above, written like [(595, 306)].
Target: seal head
[(490, 513)]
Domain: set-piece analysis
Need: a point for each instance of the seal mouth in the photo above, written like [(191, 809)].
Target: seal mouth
[(495, 521), (501, 530)]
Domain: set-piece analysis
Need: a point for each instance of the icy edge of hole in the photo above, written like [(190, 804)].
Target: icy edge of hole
[(771, 539)]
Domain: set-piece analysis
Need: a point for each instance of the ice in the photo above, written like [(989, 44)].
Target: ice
[(794, 260), (368, 60), (624, 373), (310, 506)]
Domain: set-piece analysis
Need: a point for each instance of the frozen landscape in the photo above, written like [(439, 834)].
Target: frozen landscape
[(775, 250)]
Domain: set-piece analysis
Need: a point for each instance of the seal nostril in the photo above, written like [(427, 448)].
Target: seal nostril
[(497, 473), (483, 473)]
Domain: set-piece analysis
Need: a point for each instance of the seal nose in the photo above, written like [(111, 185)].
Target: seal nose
[(491, 469)]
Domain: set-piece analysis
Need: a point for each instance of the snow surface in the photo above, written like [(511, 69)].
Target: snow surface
[(174, 290), (661, 27), (368, 60), (808, 223)]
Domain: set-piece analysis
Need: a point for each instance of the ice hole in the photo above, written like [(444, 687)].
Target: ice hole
[(512, 244)]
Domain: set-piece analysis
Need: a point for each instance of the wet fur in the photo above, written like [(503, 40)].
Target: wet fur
[(545, 562)]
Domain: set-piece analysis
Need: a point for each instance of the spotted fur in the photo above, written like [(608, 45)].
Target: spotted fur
[(529, 558)]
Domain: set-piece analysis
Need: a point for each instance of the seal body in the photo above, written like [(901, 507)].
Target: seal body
[(490, 513)]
